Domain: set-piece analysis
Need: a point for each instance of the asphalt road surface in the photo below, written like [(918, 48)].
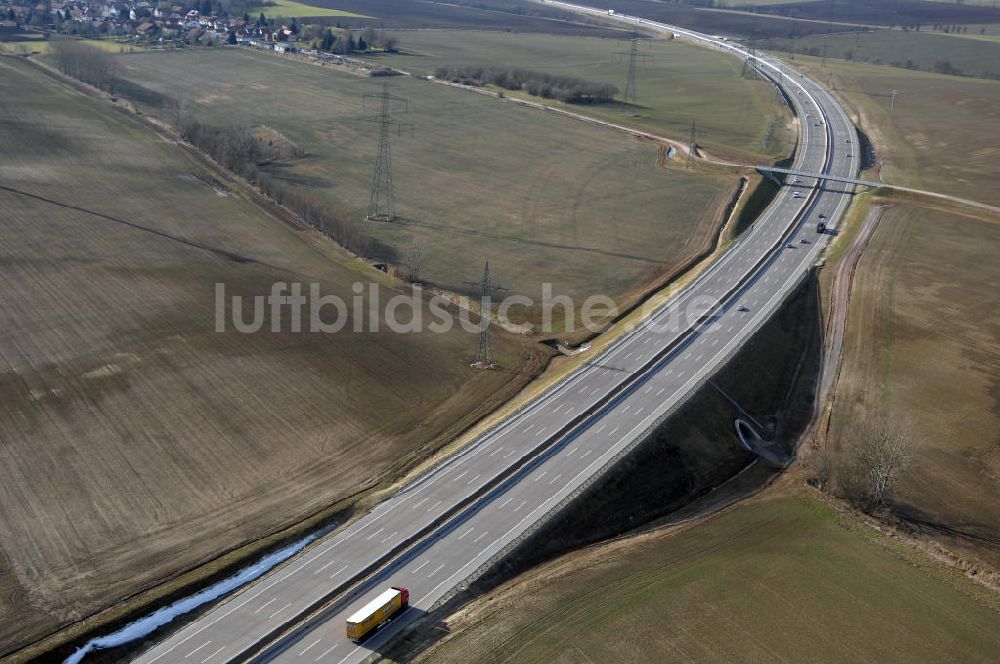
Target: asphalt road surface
[(569, 435)]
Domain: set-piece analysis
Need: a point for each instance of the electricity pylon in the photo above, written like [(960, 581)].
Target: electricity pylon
[(633, 54), (382, 201)]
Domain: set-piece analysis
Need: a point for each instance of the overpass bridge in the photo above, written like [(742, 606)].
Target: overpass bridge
[(770, 171)]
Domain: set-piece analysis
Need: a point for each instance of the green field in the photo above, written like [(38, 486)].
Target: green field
[(676, 83), (778, 579), (138, 441), (544, 198), (922, 348), (940, 136), (978, 55)]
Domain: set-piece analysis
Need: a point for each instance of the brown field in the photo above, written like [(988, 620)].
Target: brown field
[(923, 349), (775, 579), (136, 442)]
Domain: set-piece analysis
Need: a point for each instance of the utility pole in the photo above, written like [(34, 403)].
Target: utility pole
[(750, 62), (382, 201), (633, 55), (692, 146)]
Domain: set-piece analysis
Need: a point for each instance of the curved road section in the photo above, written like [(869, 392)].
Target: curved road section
[(438, 532)]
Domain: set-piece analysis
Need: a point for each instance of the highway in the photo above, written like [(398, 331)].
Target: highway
[(520, 472)]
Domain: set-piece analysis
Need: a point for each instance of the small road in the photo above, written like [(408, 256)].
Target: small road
[(469, 511), (839, 302)]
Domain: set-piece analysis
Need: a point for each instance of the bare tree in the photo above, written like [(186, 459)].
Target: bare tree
[(866, 467), (86, 63), (886, 452), (413, 261)]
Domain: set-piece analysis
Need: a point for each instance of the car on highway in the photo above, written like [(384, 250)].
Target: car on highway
[(742, 307), (789, 245), (804, 240)]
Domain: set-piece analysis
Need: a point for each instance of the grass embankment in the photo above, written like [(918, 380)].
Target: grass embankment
[(677, 82), (778, 578), (940, 136), (543, 198), (138, 442), (922, 350)]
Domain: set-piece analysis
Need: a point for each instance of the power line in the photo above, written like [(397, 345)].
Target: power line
[(633, 54), (382, 201), (750, 62), (692, 147), (484, 351)]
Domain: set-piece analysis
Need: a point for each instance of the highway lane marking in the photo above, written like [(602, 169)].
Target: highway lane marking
[(197, 649), (660, 391), (431, 508), (422, 501), (509, 453), (421, 566), (339, 571), (518, 508), (557, 409), (595, 391), (394, 533), (639, 411), (264, 605), (571, 452), (462, 536), (213, 655), (279, 610), (544, 473), (627, 356), (375, 533), (474, 479), (497, 450), (625, 409), (614, 431), (435, 571), (302, 652), (324, 567), (326, 652), (485, 533), (603, 427), (504, 503), (464, 473), (553, 480), (528, 428), (585, 454)]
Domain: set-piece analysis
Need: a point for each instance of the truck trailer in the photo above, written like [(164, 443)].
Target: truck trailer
[(377, 612)]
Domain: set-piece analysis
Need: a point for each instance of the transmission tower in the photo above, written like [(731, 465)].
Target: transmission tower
[(484, 352), (692, 146), (382, 202), (750, 63), (633, 54)]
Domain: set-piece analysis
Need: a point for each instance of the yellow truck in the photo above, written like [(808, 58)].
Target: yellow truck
[(376, 612)]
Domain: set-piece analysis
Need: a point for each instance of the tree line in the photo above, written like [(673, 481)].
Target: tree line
[(237, 149), (550, 86), (85, 63)]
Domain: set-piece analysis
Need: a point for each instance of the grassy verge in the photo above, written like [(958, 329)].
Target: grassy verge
[(778, 578)]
